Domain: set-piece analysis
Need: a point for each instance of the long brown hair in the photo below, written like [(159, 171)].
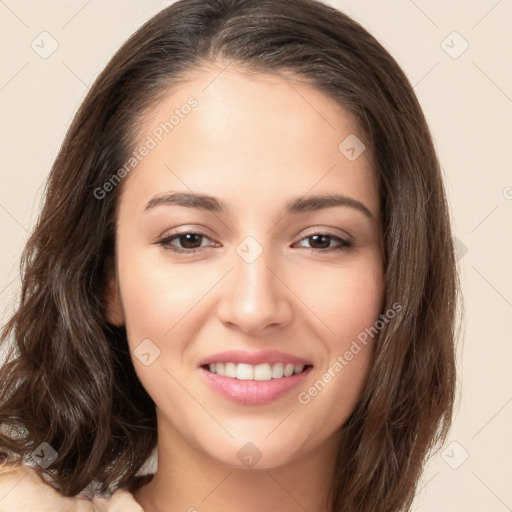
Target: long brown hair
[(69, 380)]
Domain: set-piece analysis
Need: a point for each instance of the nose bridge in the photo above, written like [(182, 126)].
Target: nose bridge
[(252, 273), (255, 297)]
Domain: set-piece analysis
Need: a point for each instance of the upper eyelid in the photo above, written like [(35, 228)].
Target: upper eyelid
[(317, 231), (185, 229)]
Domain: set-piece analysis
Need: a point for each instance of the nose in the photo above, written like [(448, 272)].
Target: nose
[(255, 295)]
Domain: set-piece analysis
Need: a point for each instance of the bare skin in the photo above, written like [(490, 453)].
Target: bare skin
[(254, 142)]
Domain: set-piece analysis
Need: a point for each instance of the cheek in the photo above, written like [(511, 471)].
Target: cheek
[(346, 300), (159, 298), (156, 296), (159, 302), (332, 304), (349, 307)]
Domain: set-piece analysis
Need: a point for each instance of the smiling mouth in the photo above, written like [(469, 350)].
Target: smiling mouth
[(260, 372)]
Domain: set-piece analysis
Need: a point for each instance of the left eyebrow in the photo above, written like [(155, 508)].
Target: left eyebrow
[(297, 205), (310, 203)]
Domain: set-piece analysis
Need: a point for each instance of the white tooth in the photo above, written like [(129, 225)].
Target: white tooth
[(245, 371), (230, 370), (298, 368), (277, 371), (262, 372), (288, 370)]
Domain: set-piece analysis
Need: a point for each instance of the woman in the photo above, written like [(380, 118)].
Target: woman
[(301, 355)]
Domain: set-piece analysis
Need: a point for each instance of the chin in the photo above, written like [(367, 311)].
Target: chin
[(256, 453)]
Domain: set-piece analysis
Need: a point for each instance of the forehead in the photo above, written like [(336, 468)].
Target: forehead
[(250, 135)]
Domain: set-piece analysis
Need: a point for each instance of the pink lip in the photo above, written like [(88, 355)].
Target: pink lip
[(253, 392), (254, 358)]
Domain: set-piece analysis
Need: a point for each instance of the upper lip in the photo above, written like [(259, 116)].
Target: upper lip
[(254, 358)]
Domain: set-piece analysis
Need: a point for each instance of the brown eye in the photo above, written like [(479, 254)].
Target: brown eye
[(322, 242), (189, 241)]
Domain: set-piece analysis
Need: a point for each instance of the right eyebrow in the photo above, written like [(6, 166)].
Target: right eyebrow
[(190, 200)]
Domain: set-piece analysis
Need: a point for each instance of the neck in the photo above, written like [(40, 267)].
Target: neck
[(190, 480)]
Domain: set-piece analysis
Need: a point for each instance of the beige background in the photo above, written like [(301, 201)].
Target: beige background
[(468, 103)]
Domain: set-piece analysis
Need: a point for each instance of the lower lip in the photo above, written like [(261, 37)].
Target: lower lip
[(253, 392)]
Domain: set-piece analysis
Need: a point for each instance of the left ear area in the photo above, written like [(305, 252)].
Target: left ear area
[(112, 303)]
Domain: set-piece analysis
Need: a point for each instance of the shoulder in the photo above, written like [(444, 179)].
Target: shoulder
[(121, 501), (21, 488)]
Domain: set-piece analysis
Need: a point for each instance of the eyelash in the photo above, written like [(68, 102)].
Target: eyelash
[(344, 245)]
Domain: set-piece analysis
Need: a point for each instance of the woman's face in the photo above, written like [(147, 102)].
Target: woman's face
[(255, 286)]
